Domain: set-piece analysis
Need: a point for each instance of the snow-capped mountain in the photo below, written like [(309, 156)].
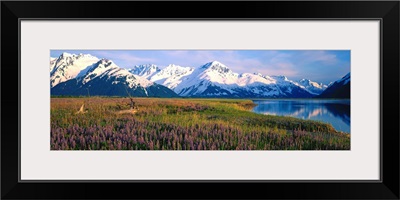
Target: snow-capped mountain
[(72, 74), (106, 78), (68, 66), (312, 87), (214, 79), (52, 63), (106, 68), (338, 89), (145, 71), (172, 75)]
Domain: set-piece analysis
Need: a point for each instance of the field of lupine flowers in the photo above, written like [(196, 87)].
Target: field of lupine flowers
[(182, 124)]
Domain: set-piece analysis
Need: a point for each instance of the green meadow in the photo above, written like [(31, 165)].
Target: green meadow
[(182, 124)]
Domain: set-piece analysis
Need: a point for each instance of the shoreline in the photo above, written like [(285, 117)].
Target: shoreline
[(329, 100)]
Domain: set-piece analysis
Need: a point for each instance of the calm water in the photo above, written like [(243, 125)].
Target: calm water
[(335, 112)]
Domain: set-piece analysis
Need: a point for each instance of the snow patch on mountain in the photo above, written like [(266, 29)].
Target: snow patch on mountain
[(212, 72), (131, 79), (344, 80), (68, 66), (145, 71), (107, 69), (215, 79), (172, 75), (98, 69), (312, 87), (248, 79), (52, 63)]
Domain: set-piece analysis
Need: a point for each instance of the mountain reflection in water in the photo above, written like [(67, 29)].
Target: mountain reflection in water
[(335, 112)]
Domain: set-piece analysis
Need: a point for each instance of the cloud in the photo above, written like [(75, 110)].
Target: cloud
[(317, 56), (274, 63), (135, 59)]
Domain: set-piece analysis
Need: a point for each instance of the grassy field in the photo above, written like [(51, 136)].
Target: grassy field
[(182, 124)]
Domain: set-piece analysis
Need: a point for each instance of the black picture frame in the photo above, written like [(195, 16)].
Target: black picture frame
[(386, 11)]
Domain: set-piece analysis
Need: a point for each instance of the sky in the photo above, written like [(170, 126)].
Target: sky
[(322, 66)]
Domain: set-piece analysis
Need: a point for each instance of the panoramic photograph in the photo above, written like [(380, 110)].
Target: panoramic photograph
[(199, 100)]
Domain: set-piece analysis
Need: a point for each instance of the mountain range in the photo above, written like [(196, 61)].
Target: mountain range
[(72, 74), (87, 75)]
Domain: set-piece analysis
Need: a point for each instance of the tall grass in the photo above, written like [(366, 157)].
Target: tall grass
[(182, 124)]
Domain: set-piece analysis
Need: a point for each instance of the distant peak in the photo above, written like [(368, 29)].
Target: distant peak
[(76, 56), (65, 54), (216, 66), (85, 55), (216, 63), (105, 62), (144, 70), (281, 78), (306, 81), (213, 64), (152, 66), (172, 66), (149, 66)]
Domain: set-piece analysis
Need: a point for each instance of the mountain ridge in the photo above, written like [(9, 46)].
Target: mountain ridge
[(105, 78), (338, 89), (215, 79), (212, 79)]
